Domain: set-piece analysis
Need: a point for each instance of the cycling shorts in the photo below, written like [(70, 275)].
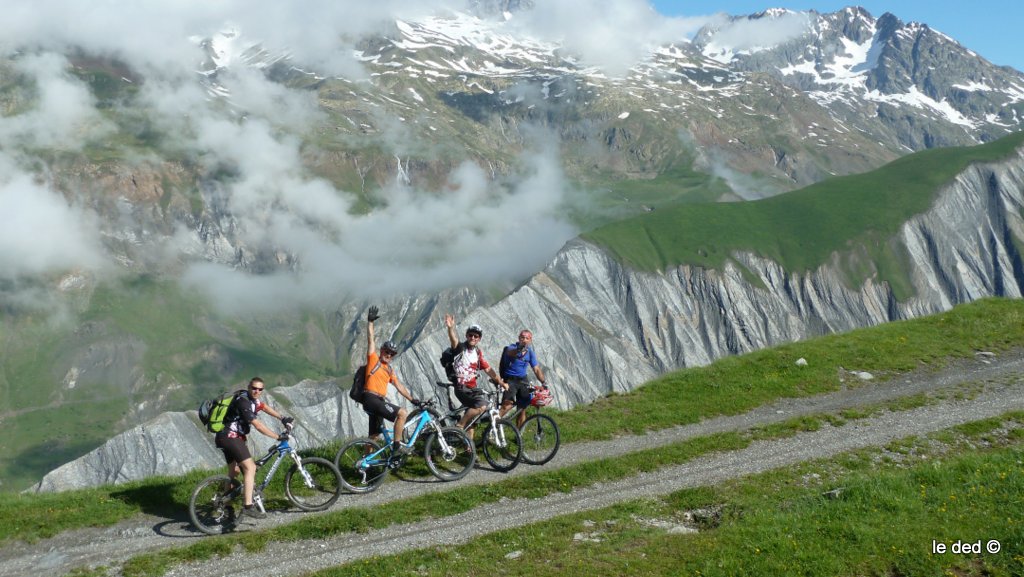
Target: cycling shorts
[(518, 391), (235, 448), (379, 409), (470, 398)]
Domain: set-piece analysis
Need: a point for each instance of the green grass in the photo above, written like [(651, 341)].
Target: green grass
[(856, 514), (855, 216), (612, 199)]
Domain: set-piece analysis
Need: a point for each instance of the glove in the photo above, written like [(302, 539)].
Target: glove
[(416, 401), (283, 436), (372, 314), (287, 421)]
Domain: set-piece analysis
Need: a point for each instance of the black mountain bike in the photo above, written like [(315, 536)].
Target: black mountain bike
[(539, 432)]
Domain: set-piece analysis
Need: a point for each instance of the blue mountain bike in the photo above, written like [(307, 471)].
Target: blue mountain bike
[(364, 462)]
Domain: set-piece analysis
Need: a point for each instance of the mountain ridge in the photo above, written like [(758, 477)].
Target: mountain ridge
[(273, 188)]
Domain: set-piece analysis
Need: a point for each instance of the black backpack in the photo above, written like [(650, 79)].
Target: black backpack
[(359, 383), (448, 358)]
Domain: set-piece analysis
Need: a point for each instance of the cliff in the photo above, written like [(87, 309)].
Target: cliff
[(601, 327)]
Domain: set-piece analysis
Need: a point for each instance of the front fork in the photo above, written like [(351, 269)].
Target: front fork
[(497, 433), (446, 450), (306, 477)]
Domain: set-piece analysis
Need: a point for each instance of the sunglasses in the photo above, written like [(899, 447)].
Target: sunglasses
[(255, 388)]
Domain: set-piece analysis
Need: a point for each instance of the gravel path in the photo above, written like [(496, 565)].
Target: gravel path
[(996, 385)]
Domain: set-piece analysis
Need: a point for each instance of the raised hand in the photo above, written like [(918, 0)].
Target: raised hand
[(372, 314)]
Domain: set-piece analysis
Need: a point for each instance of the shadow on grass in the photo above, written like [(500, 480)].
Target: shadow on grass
[(155, 499)]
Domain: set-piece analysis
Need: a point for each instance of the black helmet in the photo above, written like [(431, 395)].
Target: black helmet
[(474, 329), (389, 347)]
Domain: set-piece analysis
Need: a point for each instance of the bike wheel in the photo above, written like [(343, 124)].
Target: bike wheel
[(540, 438), (212, 509), (502, 446), (358, 474), (452, 463), (316, 492)]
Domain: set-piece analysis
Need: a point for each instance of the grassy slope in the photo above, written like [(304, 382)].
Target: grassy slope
[(801, 229)]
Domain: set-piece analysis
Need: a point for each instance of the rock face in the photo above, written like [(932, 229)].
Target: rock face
[(600, 327)]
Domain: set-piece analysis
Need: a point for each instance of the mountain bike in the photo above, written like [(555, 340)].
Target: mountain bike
[(363, 463), (311, 484), (499, 441), (540, 435)]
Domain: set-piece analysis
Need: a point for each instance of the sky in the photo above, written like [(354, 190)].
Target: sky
[(990, 32)]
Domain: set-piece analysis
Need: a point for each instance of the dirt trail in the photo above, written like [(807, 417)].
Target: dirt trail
[(996, 385)]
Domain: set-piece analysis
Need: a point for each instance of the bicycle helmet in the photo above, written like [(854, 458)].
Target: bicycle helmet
[(474, 329), (389, 347), (541, 397)]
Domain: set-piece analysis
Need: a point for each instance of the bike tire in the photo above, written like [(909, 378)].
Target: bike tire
[(358, 479), (212, 510), (326, 484), (455, 465), (502, 458), (540, 438)]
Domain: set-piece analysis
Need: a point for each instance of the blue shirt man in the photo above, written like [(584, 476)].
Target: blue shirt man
[(515, 359)]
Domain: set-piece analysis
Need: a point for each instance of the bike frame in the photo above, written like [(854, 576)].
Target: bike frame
[(277, 452), (424, 420), (492, 414)]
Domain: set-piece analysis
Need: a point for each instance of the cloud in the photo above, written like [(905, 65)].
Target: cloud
[(752, 33), (156, 36), (473, 232), (612, 35), (42, 232), (62, 112)]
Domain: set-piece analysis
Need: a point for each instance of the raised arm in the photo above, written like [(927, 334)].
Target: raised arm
[(371, 315), (449, 321)]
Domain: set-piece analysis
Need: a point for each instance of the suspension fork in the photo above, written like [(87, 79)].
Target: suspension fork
[(496, 431), (445, 447), (306, 477)]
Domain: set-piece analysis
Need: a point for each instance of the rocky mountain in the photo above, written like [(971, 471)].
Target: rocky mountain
[(601, 327), (926, 89), (236, 215)]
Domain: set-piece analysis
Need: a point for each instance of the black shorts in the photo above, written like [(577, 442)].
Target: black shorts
[(470, 398), (379, 409), (518, 391), (235, 449)]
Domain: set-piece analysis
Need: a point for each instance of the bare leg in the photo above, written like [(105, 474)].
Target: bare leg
[(249, 475)]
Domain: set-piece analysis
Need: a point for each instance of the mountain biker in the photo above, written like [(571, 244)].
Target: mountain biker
[(380, 373), (515, 359), (231, 439), (468, 360)]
